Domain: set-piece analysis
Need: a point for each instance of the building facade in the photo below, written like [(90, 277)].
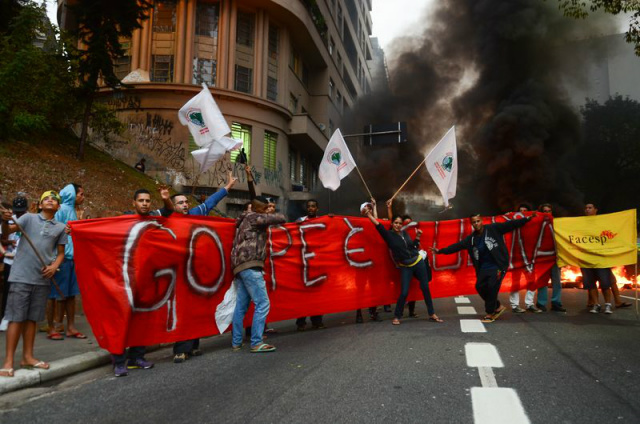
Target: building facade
[(283, 73)]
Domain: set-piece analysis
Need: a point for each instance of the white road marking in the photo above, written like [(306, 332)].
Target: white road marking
[(472, 326), (482, 355), (487, 377), (467, 310), (462, 299), (497, 405)]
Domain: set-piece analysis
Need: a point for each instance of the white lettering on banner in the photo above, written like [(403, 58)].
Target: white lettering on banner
[(192, 278), (169, 297), (273, 254), (347, 251), (308, 255)]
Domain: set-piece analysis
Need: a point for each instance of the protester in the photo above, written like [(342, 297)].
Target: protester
[(184, 349), (72, 198), (134, 357), (30, 279), (514, 296), (590, 276), (556, 284), (19, 207), (365, 209), (247, 260), (490, 259), (316, 320), (411, 262)]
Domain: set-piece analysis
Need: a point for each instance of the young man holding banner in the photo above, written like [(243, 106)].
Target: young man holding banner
[(490, 258)]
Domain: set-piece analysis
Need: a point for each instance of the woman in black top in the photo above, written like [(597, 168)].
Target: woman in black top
[(405, 253)]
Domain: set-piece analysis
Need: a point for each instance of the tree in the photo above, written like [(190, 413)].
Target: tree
[(100, 26), (579, 9), (36, 87), (608, 160)]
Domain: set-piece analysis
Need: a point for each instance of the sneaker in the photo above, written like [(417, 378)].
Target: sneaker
[(139, 364), (533, 309), (120, 370), (607, 308), (541, 307), (4, 325), (517, 310), (594, 309), (179, 358), (195, 352), (558, 308)]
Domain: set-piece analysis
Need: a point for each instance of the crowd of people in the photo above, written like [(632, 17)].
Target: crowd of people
[(40, 280)]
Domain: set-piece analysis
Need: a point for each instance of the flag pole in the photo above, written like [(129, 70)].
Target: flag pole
[(635, 286), (410, 176), (364, 182)]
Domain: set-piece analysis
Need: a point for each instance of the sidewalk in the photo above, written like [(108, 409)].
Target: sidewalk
[(66, 357)]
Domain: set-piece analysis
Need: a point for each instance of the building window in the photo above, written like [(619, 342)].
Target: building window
[(332, 88), (293, 103), (331, 127), (163, 41), (339, 101), (303, 171), (206, 44), (122, 64), (273, 65), (241, 132), (332, 46), (270, 149), (245, 33), (293, 164), (340, 21)]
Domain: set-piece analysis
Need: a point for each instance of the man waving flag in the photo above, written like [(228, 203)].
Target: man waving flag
[(442, 165), (337, 162), (208, 128)]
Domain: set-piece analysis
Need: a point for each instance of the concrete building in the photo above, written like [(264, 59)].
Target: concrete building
[(283, 73)]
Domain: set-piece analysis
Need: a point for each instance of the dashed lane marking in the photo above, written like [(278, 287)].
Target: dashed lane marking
[(497, 405), (460, 300), (472, 326), (467, 310), (482, 355)]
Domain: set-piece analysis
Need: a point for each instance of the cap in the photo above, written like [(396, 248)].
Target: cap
[(51, 193), (364, 205), (20, 204)]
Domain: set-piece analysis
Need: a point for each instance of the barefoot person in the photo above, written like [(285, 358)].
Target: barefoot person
[(406, 254), (30, 280), (490, 258)]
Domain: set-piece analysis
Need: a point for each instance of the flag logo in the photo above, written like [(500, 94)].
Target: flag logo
[(608, 234), (195, 117), (447, 162), (335, 157)]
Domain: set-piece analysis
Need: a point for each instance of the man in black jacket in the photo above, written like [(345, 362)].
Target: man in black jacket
[(490, 258)]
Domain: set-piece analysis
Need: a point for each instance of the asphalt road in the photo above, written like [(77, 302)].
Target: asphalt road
[(565, 368)]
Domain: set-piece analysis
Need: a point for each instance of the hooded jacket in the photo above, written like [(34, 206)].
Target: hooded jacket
[(250, 240), (493, 239), (66, 213)]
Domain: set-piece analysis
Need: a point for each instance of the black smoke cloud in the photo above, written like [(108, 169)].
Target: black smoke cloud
[(493, 68)]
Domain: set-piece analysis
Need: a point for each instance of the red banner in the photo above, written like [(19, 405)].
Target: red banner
[(154, 280)]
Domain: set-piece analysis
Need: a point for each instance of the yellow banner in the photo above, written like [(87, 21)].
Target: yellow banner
[(600, 241)]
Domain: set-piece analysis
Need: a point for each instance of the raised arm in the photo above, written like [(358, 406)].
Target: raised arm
[(454, 248), (505, 227), (375, 208), (252, 188), (390, 209), (216, 197)]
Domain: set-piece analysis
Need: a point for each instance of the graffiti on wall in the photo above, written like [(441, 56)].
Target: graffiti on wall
[(122, 102), (154, 134)]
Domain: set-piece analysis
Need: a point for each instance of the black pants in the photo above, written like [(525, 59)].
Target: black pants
[(186, 346), (5, 288), (315, 320), (488, 285), (135, 352), (422, 272)]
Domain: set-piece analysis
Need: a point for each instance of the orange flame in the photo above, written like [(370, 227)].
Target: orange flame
[(573, 274)]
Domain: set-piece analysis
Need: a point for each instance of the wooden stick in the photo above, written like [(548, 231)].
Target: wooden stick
[(28, 239), (365, 184), (410, 176), (635, 286)]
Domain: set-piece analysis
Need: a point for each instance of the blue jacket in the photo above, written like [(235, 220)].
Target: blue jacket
[(208, 204), (66, 213)]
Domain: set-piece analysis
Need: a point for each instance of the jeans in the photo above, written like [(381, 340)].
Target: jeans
[(488, 285), (251, 287), (556, 289), (135, 352), (423, 274)]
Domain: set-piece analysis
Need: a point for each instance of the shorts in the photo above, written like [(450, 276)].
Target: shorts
[(66, 280), (603, 275), (26, 302)]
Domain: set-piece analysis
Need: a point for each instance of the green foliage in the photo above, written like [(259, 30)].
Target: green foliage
[(580, 9), (36, 87), (608, 160)]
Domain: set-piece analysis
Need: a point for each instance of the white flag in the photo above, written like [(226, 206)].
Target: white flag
[(204, 119), (337, 162), (442, 165), (208, 128), (224, 310)]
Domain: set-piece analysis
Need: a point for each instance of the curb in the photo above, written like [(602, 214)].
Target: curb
[(58, 369)]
